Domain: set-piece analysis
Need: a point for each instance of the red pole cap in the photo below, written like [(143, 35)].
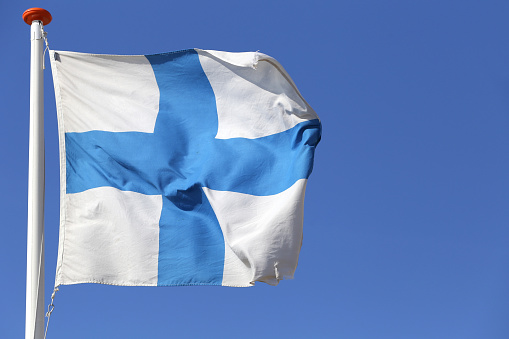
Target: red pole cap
[(35, 13)]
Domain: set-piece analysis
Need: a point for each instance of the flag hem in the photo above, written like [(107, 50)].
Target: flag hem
[(63, 165), (151, 285)]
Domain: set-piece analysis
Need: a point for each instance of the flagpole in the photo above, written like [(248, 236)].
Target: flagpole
[(34, 318)]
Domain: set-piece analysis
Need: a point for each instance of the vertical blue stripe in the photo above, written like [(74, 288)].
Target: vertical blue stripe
[(191, 245)]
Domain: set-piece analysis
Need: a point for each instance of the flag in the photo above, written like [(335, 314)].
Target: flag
[(182, 168)]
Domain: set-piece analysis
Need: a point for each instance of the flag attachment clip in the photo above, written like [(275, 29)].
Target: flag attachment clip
[(51, 308), (45, 37)]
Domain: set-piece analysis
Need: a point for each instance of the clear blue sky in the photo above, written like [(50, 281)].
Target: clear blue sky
[(406, 231)]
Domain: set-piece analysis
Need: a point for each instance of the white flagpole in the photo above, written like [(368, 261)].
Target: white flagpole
[(34, 320)]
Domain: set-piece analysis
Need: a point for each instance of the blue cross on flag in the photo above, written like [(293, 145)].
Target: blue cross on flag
[(183, 168)]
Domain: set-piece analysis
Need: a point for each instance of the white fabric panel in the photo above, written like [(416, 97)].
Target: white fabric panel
[(242, 59), (255, 97), (111, 237), (263, 234), (105, 92)]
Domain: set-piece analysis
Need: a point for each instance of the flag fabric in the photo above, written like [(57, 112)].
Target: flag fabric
[(182, 168)]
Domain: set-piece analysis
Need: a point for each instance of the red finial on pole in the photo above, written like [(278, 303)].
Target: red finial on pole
[(35, 13)]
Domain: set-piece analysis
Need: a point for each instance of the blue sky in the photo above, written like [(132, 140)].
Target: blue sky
[(406, 227)]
